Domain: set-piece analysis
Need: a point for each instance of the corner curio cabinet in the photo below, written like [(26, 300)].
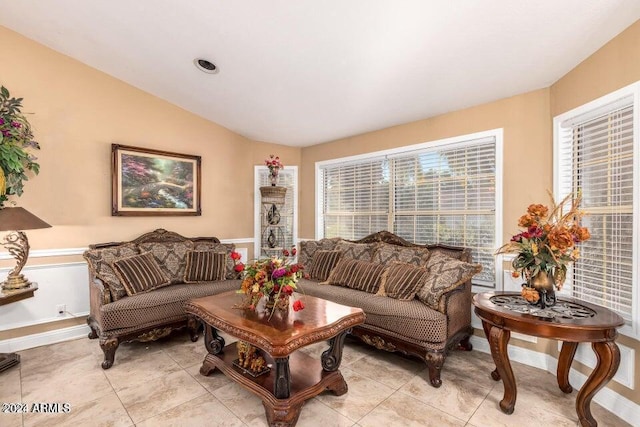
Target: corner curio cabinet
[(272, 227)]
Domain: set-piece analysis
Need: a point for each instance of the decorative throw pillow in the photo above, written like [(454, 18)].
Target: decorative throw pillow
[(140, 273), (220, 247), (401, 281), (388, 254), (357, 251), (445, 275), (322, 264), (171, 257), (356, 274), (309, 247), (205, 266), (100, 261)]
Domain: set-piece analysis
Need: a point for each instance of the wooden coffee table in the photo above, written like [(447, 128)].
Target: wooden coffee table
[(294, 376), (571, 321)]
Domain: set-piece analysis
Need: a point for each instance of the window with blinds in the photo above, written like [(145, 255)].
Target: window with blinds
[(595, 149), (437, 193)]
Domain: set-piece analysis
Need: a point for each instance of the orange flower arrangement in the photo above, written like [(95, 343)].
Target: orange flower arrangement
[(549, 241)]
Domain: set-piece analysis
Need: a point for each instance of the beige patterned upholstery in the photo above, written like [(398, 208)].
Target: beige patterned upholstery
[(355, 274), (100, 265), (161, 304), (322, 264), (445, 275), (140, 273), (171, 256), (205, 266), (357, 251), (115, 317), (397, 324), (309, 247), (388, 254), (405, 318), (220, 247), (402, 281)]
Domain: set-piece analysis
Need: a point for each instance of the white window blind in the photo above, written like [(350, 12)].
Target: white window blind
[(438, 193), (356, 198), (594, 155), (447, 195)]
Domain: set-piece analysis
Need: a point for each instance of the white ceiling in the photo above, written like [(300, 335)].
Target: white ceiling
[(309, 71)]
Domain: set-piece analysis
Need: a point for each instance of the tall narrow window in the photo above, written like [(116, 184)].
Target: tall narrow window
[(441, 192), (595, 149)]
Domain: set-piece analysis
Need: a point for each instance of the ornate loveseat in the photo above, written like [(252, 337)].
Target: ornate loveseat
[(115, 316), (422, 322)]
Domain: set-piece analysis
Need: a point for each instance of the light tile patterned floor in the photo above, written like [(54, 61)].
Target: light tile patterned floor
[(159, 384)]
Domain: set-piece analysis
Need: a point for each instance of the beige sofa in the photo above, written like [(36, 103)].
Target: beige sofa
[(427, 327), (116, 317)]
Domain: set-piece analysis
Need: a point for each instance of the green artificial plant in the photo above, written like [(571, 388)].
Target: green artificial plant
[(16, 142)]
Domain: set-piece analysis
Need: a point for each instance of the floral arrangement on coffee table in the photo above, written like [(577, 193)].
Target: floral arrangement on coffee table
[(549, 242), (274, 278)]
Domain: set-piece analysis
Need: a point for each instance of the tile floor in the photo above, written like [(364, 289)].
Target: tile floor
[(158, 384)]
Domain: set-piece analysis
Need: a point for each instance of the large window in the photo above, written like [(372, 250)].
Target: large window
[(595, 147), (441, 192)]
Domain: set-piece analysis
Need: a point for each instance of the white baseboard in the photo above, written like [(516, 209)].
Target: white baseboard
[(44, 338), (609, 399)]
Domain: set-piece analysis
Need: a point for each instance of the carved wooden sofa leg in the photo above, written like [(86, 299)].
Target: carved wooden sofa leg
[(194, 325), (465, 344), (434, 360), (94, 331), (109, 347)]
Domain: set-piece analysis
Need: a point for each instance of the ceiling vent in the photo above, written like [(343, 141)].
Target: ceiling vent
[(205, 66)]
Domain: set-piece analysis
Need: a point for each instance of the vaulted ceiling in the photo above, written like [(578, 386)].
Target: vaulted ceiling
[(307, 71)]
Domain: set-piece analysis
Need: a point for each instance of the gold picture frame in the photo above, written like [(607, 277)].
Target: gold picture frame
[(149, 182)]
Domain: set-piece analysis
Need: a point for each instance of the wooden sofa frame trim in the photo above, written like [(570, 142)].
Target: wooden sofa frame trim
[(99, 295), (458, 339)]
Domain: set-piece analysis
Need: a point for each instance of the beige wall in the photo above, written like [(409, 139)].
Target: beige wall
[(78, 112), (528, 146), (526, 121)]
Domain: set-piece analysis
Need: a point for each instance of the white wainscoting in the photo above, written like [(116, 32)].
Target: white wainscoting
[(609, 399), (57, 284)]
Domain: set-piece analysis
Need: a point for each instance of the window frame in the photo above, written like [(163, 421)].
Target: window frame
[(589, 111), (450, 143)]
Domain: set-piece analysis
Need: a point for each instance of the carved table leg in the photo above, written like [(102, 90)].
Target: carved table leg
[(498, 341), (332, 357), (487, 329), (208, 366), (212, 341), (608, 355), (282, 382), (109, 347), (339, 386), (564, 364), (282, 415)]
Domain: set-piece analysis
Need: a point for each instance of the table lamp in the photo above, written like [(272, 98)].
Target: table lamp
[(13, 220)]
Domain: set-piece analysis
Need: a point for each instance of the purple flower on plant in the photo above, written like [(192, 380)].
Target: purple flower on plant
[(16, 125), (1, 121), (6, 132), (278, 272)]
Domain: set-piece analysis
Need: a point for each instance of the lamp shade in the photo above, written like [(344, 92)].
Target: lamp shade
[(19, 219)]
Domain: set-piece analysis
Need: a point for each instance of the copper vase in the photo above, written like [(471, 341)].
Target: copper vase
[(544, 283)]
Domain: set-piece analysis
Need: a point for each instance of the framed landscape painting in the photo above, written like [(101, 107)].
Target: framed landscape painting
[(153, 182)]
